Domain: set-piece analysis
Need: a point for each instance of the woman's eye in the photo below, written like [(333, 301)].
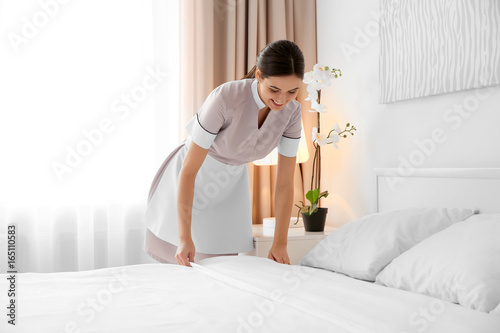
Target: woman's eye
[(274, 91)]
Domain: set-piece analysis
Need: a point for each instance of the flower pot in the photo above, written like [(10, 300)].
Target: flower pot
[(316, 221)]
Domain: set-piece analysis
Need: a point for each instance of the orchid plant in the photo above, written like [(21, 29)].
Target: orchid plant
[(316, 80)]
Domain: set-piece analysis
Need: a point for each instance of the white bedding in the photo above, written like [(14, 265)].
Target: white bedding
[(227, 294)]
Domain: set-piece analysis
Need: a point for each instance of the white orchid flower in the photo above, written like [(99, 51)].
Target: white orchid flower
[(318, 67), (319, 138), (317, 107), (314, 133), (318, 71), (321, 75), (311, 86), (336, 128), (314, 86), (308, 77), (316, 80), (334, 139), (313, 95)]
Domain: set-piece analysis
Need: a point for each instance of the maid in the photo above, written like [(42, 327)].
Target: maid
[(199, 203)]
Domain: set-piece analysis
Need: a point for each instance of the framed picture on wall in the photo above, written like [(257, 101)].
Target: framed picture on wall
[(431, 47)]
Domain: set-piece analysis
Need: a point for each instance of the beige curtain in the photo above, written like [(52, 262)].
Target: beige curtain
[(220, 41)]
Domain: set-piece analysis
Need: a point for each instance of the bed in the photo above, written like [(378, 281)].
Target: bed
[(251, 294)]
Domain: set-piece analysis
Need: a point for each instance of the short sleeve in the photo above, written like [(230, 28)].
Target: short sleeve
[(205, 125), (289, 142)]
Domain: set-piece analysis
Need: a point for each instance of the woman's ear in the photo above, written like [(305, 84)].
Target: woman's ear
[(258, 74)]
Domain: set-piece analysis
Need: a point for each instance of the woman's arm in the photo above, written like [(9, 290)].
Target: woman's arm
[(284, 202), (185, 192)]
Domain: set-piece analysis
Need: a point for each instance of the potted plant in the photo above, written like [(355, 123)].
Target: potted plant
[(314, 217)]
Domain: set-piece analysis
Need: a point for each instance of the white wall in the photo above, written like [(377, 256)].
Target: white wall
[(388, 133)]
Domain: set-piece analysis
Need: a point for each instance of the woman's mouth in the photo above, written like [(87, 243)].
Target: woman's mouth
[(276, 104)]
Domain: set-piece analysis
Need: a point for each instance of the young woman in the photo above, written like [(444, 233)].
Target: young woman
[(199, 204)]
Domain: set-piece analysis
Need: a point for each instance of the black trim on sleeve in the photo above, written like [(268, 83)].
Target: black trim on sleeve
[(197, 118), (291, 138)]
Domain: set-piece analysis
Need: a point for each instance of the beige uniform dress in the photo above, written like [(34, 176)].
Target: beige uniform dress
[(227, 125)]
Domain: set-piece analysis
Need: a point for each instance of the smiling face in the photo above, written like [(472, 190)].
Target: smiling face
[(277, 91)]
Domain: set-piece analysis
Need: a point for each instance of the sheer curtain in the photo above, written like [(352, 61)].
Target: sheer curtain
[(88, 111)]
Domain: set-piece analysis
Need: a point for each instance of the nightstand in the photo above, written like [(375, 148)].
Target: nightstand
[(300, 242)]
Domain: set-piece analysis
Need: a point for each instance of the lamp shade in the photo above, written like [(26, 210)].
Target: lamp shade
[(272, 157)]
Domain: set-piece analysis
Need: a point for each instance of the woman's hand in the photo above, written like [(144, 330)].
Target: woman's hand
[(278, 253), (185, 252)]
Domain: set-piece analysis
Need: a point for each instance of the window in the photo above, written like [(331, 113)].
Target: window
[(89, 93), (88, 111)]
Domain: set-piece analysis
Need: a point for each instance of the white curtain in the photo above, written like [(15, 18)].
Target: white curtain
[(88, 111)]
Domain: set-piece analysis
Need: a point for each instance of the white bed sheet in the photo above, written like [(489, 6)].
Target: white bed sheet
[(227, 294)]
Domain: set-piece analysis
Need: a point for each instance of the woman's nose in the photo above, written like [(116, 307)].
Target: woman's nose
[(281, 98)]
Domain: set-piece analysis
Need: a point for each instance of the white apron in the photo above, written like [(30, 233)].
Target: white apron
[(221, 219), (227, 125)]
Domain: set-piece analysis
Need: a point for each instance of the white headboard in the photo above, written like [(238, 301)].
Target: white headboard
[(440, 187)]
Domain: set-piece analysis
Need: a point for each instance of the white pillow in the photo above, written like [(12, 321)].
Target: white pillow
[(362, 248), (496, 311), (460, 264)]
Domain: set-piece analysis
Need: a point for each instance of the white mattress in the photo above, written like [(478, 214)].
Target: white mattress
[(227, 294)]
